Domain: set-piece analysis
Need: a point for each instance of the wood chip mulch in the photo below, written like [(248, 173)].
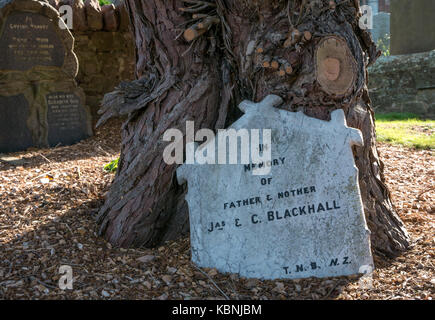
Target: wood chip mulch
[(49, 199)]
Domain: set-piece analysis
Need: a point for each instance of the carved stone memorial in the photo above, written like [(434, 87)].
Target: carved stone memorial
[(304, 218), (66, 117), (29, 39), (37, 66)]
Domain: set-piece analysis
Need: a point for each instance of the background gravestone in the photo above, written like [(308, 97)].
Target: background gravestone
[(412, 26), (305, 218), (381, 27), (66, 118), (38, 62)]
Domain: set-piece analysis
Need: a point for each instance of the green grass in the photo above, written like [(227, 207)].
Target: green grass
[(103, 2), (405, 129), (112, 166), (396, 128)]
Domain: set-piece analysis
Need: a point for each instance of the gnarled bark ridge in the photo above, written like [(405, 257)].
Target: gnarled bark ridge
[(197, 60)]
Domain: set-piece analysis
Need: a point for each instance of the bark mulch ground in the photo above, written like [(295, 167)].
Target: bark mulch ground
[(49, 199)]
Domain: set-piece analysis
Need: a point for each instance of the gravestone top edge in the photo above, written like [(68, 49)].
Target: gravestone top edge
[(267, 108)]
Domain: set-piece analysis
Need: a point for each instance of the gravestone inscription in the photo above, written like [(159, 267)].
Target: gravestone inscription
[(304, 218), (66, 119), (28, 40)]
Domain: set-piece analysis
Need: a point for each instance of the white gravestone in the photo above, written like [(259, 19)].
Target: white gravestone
[(307, 220)]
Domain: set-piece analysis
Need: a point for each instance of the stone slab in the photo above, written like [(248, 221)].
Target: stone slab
[(412, 26), (307, 222), (14, 132), (66, 119)]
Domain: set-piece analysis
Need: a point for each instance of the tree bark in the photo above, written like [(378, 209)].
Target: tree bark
[(197, 60)]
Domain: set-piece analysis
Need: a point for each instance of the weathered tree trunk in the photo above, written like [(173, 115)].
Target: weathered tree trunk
[(199, 62)]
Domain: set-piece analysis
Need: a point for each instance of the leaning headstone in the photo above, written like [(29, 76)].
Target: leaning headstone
[(302, 219), (37, 61)]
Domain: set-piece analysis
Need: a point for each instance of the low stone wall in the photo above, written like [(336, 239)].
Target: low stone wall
[(404, 83), (105, 59), (104, 47)]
